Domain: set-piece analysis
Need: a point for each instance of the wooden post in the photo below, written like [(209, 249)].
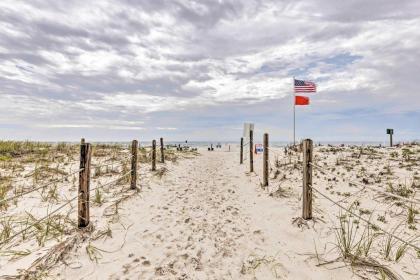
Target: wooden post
[(154, 155), (84, 185), (82, 141), (265, 161), (134, 149), (307, 180), (241, 157), (390, 139), (251, 154), (162, 155)]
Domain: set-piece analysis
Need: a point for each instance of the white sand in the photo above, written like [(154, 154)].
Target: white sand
[(208, 218)]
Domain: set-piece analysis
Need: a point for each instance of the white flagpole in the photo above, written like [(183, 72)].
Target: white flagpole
[(294, 113)]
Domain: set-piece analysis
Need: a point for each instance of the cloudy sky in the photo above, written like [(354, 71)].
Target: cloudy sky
[(181, 69)]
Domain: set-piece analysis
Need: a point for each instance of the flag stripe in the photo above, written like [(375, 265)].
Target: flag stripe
[(304, 86)]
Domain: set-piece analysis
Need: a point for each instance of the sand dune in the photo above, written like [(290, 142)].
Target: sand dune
[(207, 217)]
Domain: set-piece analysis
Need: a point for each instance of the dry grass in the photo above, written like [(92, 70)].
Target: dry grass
[(161, 172), (254, 263), (355, 245)]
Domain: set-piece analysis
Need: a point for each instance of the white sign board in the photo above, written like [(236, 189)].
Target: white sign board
[(247, 128)]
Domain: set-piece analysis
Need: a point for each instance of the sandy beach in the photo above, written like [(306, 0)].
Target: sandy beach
[(219, 140), (207, 217)]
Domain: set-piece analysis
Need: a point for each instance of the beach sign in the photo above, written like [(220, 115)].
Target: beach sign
[(259, 148), (247, 128), (390, 131)]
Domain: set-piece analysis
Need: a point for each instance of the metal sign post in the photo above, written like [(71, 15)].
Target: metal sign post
[(390, 131)]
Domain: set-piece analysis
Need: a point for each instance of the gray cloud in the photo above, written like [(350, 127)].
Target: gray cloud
[(113, 68)]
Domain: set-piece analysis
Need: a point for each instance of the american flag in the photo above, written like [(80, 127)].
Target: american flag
[(304, 86)]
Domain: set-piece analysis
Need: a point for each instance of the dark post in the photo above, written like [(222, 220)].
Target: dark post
[(82, 141), (307, 179), (84, 185), (154, 155), (265, 161), (390, 131), (241, 157), (251, 154), (162, 155), (134, 148)]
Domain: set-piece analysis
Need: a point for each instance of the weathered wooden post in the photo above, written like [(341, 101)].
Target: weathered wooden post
[(82, 141), (251, 154), (162, 151), (84, 185), (307, 180), (241, 156), (265, 161), (134, 149), (154, 155)]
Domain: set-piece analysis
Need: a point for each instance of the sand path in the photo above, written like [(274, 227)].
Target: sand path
[(206, 219)]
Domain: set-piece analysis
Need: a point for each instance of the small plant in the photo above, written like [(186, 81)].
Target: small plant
[(381, 218), (253, 263), (390, 243), (355, 246), (364, 211), (368, 241), (406, 153), (52, 194), (98, 171), (14, 254), (126, 178), (6, 229), (276, 174), (346, 237), (5, 186), (411, 214), (54, 227), (161, 172), (387, 247), (400, 252), (99, 199), (93, 252), (387, 170), (103, 233)]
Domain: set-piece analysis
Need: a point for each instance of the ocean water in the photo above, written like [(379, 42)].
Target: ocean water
[(224, 143)]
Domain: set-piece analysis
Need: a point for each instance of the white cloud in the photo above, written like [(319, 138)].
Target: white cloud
[(66, 61)]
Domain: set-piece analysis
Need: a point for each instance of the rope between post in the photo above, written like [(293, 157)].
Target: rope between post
[(38, 221), (366, 221), (40, 187), (59, 208), (415, 201)]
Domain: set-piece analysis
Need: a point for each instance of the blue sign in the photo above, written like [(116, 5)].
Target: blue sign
[(259, 148)]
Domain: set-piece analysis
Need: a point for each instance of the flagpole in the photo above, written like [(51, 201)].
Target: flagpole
[(294, 113), (294, 123)]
